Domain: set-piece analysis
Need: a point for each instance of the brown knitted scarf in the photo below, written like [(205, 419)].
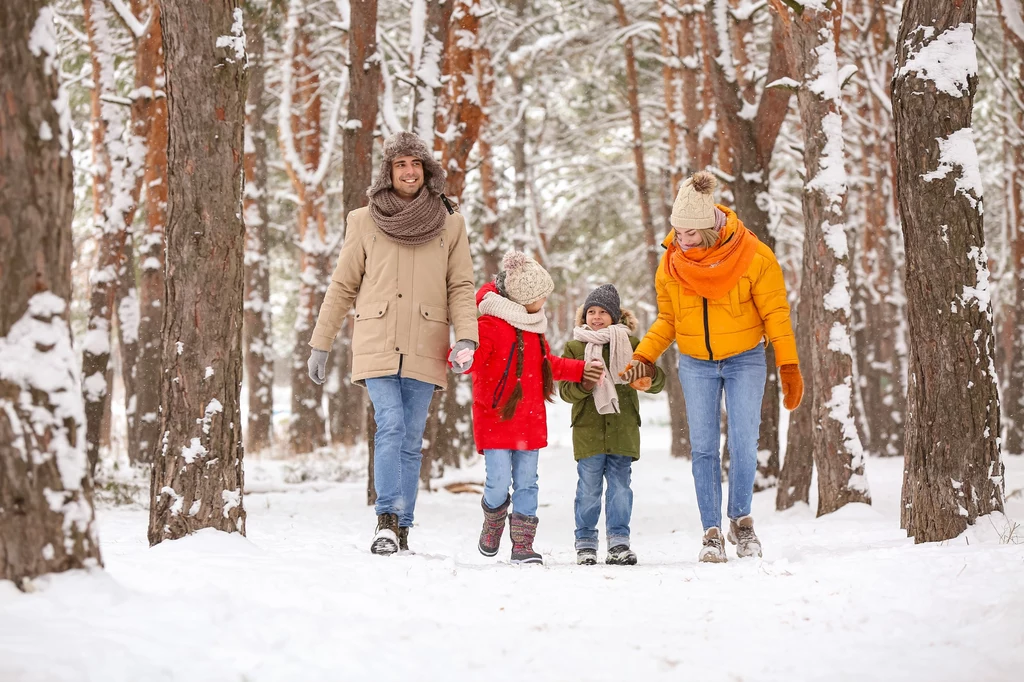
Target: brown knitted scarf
[(410, 223)]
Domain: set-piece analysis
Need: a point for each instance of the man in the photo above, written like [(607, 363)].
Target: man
[(406, 268)]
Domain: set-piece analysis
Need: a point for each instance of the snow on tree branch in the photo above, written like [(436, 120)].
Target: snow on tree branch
[(949, 60)]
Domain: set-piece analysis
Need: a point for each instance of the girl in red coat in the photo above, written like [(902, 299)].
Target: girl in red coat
[(513, 373)]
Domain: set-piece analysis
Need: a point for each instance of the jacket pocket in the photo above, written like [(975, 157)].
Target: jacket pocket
[(433, 338), (370, 332)]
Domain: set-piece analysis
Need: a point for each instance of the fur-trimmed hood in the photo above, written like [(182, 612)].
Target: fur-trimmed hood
[(628, 319), (408, 144)]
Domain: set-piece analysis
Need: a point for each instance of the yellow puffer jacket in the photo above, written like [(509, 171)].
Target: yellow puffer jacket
[(715, 330)]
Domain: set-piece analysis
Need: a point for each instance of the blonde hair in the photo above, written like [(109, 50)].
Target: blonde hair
[(708, 237)]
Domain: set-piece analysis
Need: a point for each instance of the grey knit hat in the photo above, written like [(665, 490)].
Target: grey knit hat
[(605, 296), (408, 144), (523, 279)]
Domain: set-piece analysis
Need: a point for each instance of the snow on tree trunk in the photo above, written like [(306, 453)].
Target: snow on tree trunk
[(197, 476), (151, 124), (429, 43), (299, 133), (838, 452), (347, 401), (128, 343), (46, 511), (749, 130), (1012, 15), (953, 473), (117, 155), (259, 352)]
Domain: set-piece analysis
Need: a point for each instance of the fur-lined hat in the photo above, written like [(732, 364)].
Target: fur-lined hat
[(408, 144), (628, 319)]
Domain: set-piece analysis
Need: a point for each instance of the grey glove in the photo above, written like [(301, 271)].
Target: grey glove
[(461, 345), (317, 365)]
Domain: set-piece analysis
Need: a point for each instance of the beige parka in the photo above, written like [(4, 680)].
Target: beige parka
[(405, 297)]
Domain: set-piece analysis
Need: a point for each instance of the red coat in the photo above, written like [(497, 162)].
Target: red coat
[(528, 428)]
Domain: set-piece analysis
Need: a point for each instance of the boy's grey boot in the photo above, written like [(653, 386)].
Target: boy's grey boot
[(620, 555)]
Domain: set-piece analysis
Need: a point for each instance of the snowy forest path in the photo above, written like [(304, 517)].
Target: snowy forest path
[(835, 598)]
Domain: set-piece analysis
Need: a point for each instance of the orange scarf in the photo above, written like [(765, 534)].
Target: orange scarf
[(712, 272)]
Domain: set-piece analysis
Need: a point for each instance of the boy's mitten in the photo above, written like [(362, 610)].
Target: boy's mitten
[(638, 368)]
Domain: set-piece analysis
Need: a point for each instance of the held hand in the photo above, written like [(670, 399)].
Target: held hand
[(637, 369), (592, 374), (792, 386), (461, 355), (317, 365), (642, 384)]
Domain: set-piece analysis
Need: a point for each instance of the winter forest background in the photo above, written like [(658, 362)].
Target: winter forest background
[(566, 127)]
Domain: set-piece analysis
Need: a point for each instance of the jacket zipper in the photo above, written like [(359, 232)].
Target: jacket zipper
[(707, 332)]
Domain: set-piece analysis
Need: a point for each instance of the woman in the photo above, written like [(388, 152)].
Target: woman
[(720, 293)]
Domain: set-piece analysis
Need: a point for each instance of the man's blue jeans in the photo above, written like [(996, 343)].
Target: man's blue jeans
[(618, 505), (400, 408), (515, 468), (742, 379)]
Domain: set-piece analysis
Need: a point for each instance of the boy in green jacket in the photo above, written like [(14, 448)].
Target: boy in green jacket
[(605, 424)]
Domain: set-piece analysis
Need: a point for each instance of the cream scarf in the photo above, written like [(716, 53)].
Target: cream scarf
[(620, 352), (513, 313)]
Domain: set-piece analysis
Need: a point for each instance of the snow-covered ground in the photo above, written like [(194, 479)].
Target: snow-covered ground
[(846, 597)]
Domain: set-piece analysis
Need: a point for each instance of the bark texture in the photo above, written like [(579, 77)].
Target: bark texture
[(197, 477), (46, 513), (953, 473)]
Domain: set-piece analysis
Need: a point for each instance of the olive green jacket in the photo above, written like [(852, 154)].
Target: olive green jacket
[(610, 434)]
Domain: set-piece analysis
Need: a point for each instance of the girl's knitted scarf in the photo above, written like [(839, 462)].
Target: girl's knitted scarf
[(620, 352), (513, 313)]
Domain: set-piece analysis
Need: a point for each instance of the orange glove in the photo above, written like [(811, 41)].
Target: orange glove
[(792, 386), (641, 384)]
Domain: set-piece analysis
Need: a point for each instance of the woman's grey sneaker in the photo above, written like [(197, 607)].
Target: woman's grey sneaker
[(385, 540), (586, 556), (741, 534), (403, 539), (523, 530), (494, 527), (713, 550), (620, 555)]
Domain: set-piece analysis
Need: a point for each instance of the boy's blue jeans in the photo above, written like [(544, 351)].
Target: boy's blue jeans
[(618, 504), (515, 468), (742, 379), (400, 406)]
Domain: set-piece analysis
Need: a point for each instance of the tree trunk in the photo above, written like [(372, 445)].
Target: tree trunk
[(429, 46), (46, 513), (749, 142), (128, 346), (1012, 14), (953, 473), (259, 351), (838, 453), (795, 477), (198, 476), (364, 73), (151, 106), (115, 195), (299, 134)]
